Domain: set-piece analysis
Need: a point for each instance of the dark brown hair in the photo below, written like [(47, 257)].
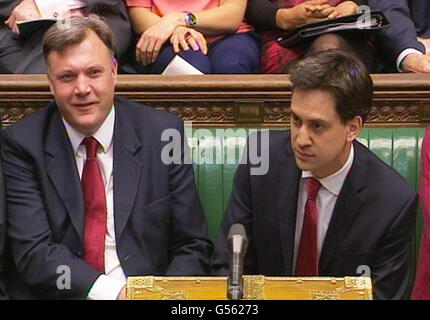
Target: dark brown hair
[(340, 73), (58, 37)]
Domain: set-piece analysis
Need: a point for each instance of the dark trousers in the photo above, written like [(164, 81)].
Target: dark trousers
[(21, 56), (234, 54)]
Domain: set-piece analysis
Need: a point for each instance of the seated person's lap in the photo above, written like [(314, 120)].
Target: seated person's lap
[(237, 53)]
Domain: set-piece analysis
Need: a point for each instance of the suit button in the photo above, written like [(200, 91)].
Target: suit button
[(78, 253)]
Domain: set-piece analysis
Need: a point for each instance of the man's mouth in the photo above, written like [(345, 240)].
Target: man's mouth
[(303, 155), (83, 104)]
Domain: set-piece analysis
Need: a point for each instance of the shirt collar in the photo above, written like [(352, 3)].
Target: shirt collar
[(333, 183), (103, 135)]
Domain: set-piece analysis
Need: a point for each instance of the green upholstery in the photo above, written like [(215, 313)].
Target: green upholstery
[(399, 147)]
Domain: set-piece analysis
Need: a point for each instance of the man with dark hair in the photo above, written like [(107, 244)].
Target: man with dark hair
[(333, 207), (21, 53), (90, 200)]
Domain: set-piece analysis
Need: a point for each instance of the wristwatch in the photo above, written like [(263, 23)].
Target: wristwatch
[(190, 19)]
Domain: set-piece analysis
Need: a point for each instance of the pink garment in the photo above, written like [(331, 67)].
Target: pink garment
[(422, 283), (163, 7)]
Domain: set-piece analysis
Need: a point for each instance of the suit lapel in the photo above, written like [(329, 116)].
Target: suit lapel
[(289, 176), (347, 208), (63, 173), (127, 169)]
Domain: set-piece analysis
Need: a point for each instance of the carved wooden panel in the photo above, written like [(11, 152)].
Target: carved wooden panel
[(227, 100)]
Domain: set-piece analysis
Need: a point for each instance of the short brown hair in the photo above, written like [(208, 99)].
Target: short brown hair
[(340, 73), (56, 39)]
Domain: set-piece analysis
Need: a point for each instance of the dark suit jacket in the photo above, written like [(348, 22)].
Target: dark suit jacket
[(113, 11), (408, 18), (2, 233), (160, 226), (372, 223)]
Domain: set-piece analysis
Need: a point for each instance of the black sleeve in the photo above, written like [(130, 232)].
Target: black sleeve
[(2, 233), (391, 268), (401, 34), (6, 7), (262, 15)]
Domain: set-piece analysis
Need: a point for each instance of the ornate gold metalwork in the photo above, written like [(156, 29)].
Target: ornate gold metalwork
[(325, 295), (138, 285), (253, 287)]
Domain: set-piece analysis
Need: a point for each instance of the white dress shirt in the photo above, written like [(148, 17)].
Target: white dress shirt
[(403, 55), (58, 8), (109, 285), (326, 200)]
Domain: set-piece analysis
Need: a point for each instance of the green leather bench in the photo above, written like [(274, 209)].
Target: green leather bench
[(399, 147)]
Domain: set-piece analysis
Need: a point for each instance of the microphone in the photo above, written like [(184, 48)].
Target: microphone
[(237, 245)]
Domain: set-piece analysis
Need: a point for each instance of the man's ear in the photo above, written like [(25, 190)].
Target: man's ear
[(51, 87), (115, 69), (354, 128)]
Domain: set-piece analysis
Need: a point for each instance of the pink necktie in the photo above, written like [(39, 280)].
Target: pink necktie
[(307, 259), (95, 208)]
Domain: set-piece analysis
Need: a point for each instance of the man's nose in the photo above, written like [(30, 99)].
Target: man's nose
[(82, 86), (303, 138)]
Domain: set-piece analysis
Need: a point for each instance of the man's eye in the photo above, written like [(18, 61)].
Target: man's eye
[(67, 77), (295, 120), (317, 126), (95, 73)]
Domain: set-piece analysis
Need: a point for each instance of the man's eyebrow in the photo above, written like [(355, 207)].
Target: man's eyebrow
[(95, 66), (294, 115)]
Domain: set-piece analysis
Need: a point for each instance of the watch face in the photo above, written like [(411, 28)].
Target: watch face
[(190, 19)]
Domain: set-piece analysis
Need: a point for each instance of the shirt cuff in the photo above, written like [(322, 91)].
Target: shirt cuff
[(105, 288), (403, 55), (57, 8)]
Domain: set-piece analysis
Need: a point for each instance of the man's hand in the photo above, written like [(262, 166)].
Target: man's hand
[(185, 38), (416, 63), (26, 10), (426, 43), (122, 294), (149, 45), (304, 13), (343, 9), (76, 13)]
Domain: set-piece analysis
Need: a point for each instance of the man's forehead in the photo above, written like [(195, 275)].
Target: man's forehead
[(314, 104), (74, 56)]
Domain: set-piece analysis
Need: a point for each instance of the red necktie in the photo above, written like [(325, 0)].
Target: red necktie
[(95, 208), (307, 259)]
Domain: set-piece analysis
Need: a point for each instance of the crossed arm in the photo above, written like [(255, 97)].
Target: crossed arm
[(156, 30), (290, 18)]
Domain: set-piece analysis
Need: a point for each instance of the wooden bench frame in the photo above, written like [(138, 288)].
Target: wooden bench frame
[(401, 100)]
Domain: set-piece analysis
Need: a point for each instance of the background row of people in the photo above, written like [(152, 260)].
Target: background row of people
[(222, 36)]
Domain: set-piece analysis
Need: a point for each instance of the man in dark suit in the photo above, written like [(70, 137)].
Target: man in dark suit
[(333, 208), (136, 213), (23, 54), (406, 42)]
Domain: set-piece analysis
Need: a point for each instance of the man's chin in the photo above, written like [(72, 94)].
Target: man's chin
[(85, 125), (304, 166)]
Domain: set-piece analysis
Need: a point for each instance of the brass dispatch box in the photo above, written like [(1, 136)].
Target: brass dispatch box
[(255, 288)]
